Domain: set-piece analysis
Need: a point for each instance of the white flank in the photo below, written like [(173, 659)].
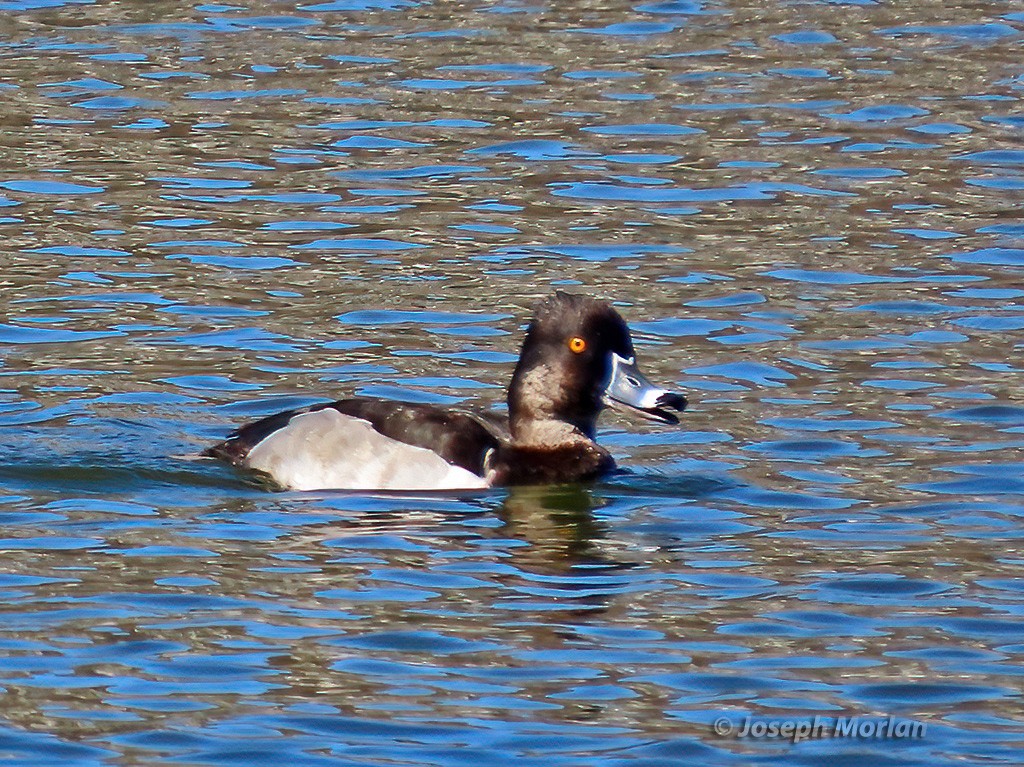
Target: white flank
[(327, 450)]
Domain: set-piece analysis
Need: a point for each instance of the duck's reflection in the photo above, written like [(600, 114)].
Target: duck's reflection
[(557, 521), (569, 563)]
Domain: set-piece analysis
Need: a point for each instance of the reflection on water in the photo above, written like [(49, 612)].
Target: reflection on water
[(810, 216)]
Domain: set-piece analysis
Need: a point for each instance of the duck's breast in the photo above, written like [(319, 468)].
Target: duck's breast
[(326, 449)]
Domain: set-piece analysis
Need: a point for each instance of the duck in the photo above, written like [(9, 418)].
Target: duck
[(576, 359)]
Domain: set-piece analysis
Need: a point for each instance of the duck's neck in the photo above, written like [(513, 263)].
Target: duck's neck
[(579, 461), (539, 414), (546, 431)]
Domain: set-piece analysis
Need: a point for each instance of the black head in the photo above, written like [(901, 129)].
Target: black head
[(578, 356)]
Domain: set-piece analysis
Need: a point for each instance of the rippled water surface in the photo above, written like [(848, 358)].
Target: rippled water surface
[(810, 213)]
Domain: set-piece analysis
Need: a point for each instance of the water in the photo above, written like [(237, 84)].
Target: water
[(810, 214)]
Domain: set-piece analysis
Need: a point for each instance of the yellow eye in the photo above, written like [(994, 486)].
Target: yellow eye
[(577, 344)]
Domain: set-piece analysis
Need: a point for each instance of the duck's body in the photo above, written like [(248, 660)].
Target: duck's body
[(368, 444), (577, 356)]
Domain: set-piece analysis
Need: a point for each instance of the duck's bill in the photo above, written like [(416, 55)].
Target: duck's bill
[(628, 387)]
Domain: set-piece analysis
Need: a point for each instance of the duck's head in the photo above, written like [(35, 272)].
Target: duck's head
[(578, 357)]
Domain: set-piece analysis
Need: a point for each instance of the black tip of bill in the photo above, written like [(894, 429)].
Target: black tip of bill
[(667, 400)]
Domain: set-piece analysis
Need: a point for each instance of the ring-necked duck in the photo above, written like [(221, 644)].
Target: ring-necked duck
[(577, 357)]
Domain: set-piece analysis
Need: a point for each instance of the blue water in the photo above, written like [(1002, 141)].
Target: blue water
[(809, 215)]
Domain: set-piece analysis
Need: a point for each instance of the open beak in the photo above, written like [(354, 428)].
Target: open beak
[(627, 386)]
